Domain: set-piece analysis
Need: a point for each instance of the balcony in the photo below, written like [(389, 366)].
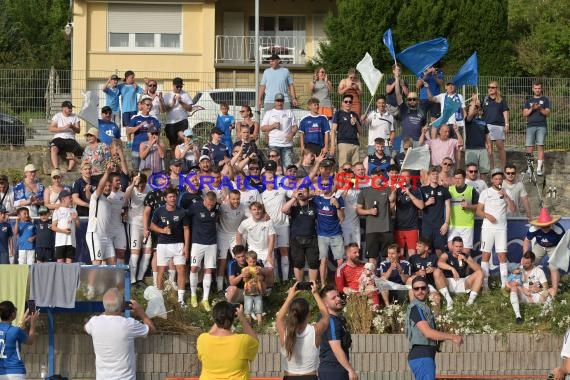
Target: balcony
[(240, 50)]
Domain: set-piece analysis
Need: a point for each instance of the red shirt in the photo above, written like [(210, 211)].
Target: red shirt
[(347, 276)]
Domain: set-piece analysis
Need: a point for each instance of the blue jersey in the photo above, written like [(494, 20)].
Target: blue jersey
[(314, 129), (394, 275), (216, 152), (5, 234), (547, 239), (328, 223), (25, 231), (112, 98), (225, 122), (129, 96), (432, 83), (11, 339), (108, 130), (142, 134)]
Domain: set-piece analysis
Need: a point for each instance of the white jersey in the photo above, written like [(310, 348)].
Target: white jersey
[(286, 119), (177, 113), (62, 122), (273, 200), (535, 275), (247, 198), (495, 206), (565, 353), (257, 235), (350, 201), (136, 207), (117, 201), (518, 191), (62, 216), (99, 215), (230, 218), (381, 124)]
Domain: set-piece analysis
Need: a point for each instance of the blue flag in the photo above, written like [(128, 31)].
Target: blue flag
[(468, 73), (450, 106), (417, 58), (389, 42)]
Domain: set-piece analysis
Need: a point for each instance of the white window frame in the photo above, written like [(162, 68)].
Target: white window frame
[(132, 48)]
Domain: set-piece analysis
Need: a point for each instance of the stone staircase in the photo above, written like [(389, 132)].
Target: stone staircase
[(39, 135)]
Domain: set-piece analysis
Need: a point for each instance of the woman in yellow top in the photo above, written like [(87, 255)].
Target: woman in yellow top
[(224, 354)]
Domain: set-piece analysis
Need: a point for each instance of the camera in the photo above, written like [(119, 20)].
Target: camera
[(305, 285), (31, 305)]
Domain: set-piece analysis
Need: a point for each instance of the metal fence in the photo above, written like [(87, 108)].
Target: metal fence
[(28, 98)]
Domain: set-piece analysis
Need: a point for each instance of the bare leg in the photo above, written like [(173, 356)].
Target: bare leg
[(54, 152)]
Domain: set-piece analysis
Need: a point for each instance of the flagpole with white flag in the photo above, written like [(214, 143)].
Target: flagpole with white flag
[(370, 75)]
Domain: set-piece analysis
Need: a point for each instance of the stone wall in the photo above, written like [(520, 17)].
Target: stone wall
[(375, 357)]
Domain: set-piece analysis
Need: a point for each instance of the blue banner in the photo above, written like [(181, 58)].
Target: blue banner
[(389, 42), (468, 73), (417, 58)]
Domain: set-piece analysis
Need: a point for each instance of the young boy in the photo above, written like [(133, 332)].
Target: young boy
[(6, 246), (64, 223), (45, 237), (26, 232), (226, 123), (253, 287), (314, 130), (112, 93), (395, 270)]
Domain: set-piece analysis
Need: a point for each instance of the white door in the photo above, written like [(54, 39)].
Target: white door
[(233, 40)]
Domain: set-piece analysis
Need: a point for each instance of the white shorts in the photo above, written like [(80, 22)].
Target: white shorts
[(225, 243), (350, 233), (118, 237), (466, 234), (281, 236), (174, 251), (496, 132), (496, 237), (26, 256), (136, 237), (100, 248), (200, 252), (534, 298), (456, 286), (13, 377)]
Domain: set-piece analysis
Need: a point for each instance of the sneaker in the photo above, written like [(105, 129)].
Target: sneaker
[(206, 305), (449, 307), (519, 321), (539, 172), (194, 301), (183, 305)]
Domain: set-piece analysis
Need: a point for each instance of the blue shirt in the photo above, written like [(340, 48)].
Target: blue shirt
[(129, 96), (336, 331), (536, 119), (412, 122), (394, 275), (203, 223), (432, 83), (112, 98), (11, 339), (215, 152), (346, 132), (108, 130), (176, 220), (314, 129), (225, 122), (5, 234), (142, 134), (493, 111), (25, 231), (548, 239), (45, 237), (328, 223)]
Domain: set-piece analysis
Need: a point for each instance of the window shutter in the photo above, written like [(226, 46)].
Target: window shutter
[(152, 18)]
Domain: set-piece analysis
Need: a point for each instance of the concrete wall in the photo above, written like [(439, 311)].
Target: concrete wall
[(374, 356)]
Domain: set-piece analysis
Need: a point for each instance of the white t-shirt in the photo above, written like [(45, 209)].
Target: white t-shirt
[(441, 100), (62, 216), (565, 353), (495, 206), (99, 215), (257, 235), (177, 113), (381, 124), (519, 192), (247, 198), (478, 184), (350, 201), (136, 207), (63, 122), (113, 343), (535, 275), (273, 200), (278, 137), (117, 201), (230, 218)]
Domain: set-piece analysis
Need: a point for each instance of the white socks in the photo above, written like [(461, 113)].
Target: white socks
[(504, 270), (206, 283), (171, 275), (133, 264), (181, 295), (472, 296), (539, 164), (154, 278), (485, 268), (515, 303), (144, 266), (193, 282), (220, 283), (445, 292), (285, 267)]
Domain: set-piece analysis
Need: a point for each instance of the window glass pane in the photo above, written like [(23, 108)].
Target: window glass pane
[(170, 40), (144, 40), (266, 24), (118, 39)]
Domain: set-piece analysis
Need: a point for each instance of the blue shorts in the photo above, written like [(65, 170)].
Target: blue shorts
[(423, 368), (535, 136), (127, 117)]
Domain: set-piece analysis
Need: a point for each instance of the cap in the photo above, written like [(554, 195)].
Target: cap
[(194, 169), (450, 82), (106, 109), (327, 163), (152, 129), (204, 157), (178, 81), (188, 132), (3, 209), (55, 173), (216, 130), (274, 57), (271, 165), (279, 97), (43, 210), (30, 168), (115, 76), (176, 162), (64, 193), (66, 104), (145, 97), (496, 171), (412, 94), (93, 132)]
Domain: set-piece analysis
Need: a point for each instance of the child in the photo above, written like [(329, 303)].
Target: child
[(406, 144), (64, 223), (45, 237), (226, 123), (26, 232), (515, 277), (112, 92), (6, 246), (367, 283), (253, 287)]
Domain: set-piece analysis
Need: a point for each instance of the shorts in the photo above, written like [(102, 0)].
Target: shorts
[(330, 374), (136, 238), (314, 148), (534, 298), (377, 243), (44, 254), (225, 244), (335, 244), (200, 252), (127, 115), (26, 256), (172, 130), (100, 248), (423, 368), (305, 249), (64, 252), (465, 233), (406, 238), (496, 132), (173, 251), (118, 237), (493, 236), (480, 157), (535, 136), (252, 304), (347, 152), (326, 111), (456, 286), (350, 234), (67, 146), (436, 239), (281, 236), (539, 252)]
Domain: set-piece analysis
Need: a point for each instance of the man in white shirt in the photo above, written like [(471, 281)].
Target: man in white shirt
[(113, 337), (458, 118), (65, 125), (117, 233), (6, 194), (282, 127), (381, 124), (176, 104), (472, 177)]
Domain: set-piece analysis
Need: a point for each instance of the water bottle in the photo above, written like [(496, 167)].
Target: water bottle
[(375, 205), (554, 192), (460, 262), (43, 371)]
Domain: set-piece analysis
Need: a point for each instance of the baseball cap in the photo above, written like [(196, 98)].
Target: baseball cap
[(66, 104), (106, 109), (271, 165), (327, 163), (216, 130), (43, 210), (279, 97), (55, 173), (496, 171), (176, 162), (115, 76), (64, 193), (30, 168), (274, 57), (188, 132), (450, 82), (204, 157), (93, 132), (178, 81)]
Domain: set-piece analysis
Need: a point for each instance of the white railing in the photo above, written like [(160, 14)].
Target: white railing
[(241, 49)]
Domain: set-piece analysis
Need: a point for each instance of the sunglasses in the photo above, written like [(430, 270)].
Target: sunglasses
[(510, 173), (179, 86), (412, 99), (447, 164), (106, 112), (473, 171), (347, 168), (273, 155), (491, 86), (152, 85), (347, 101), (242, 111), (254, 168), (420, 288)]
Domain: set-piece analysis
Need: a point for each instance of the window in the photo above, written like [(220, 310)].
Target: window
[(156, 27)]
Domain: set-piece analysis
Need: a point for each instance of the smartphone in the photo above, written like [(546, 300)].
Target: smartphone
[(127, 305), (31, 305), (305, 285)]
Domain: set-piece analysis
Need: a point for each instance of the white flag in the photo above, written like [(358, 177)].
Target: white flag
[(90, 108), (370, 74), (417, 158), (560, 258), (382, 284)]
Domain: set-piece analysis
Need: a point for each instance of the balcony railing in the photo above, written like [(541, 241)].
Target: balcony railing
[(241, 49)]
